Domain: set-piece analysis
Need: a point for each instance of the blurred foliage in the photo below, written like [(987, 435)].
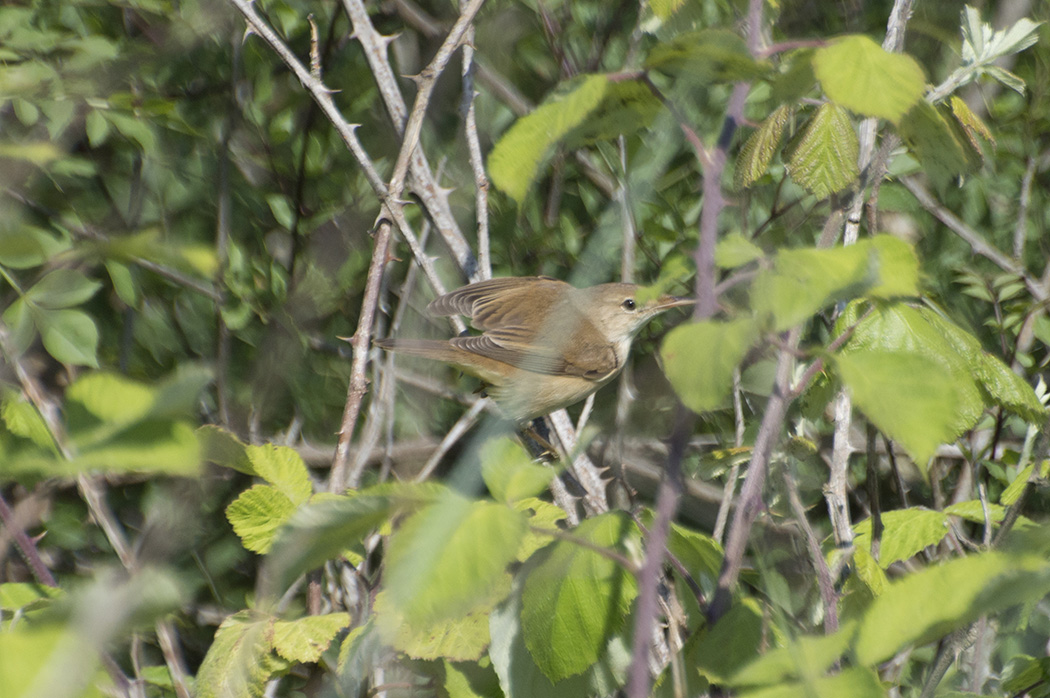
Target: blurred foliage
[(184, 241)]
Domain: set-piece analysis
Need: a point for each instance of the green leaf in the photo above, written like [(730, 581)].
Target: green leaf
[(936, 144), (68, 335), (910, 397), (26, 246), (257, 514), (971, 124), (575, 599), (283, 468), (699, 552), (856, 682), (281, 208), (29, 656), (305, 639), (96, 127), (62, 288), (927, 605), (240, 660), (905, 533), (626, 107), (22, 419), (448, 557), (123, 283), (862, 76), (708, 55), (16, 596), (699, 359), (155, 446), (515, 159), (731, 643), (901, 328), (760, 147), (735, 250), (19, 319), (470, 680), (462, 638), (509, 472), (134, 129), (999, 384), (824, 159), (898, 268), (323, 528), (803, 281), (112, 398), (224, 448), (802, 656)]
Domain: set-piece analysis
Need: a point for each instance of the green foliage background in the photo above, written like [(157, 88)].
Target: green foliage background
[(185, 240)]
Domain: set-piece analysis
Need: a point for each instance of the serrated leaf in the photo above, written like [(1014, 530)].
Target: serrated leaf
[(865, 78), (257, 514), (283, 468), (905, 533), (62, 288), (699, 552), (824, 160), (928, 604), (240, 659), (760, 147), (699, 359), (68, 335), (542, 516), (448, 557), (515, 159), (910, 397), (509, 472), (463, 638), (305, 639), (626, 107), (574, 599)]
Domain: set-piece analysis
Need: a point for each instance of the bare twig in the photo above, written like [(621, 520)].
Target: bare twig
[(461, 427), (825, 581), (26, 546), (477, 163)]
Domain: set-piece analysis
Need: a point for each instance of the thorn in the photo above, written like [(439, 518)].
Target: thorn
[(349, 340), (386, 40), (417, 78)]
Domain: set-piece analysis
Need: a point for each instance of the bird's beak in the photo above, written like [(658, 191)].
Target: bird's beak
[(667, 302)]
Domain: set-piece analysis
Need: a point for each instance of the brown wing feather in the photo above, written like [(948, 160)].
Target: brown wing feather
[(498, 302)]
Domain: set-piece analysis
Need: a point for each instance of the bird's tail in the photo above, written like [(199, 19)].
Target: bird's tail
[(436, 349)]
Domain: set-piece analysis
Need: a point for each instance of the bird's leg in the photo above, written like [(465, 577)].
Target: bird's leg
[(535, 438)]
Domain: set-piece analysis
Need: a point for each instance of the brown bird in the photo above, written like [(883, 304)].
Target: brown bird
[(544, 344)]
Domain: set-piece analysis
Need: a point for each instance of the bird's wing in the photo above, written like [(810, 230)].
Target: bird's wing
[(520, 348), (499, 302)]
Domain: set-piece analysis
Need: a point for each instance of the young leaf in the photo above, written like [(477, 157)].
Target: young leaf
[(760, 147), (240, 660), (898, 268), (733, 642), (574, 599), (283, 468), (824, 160), (862, 76), (803, 656), (703, 384), (935, 143), (516, 157), (305, 639), (910, 397), (856, 682), (257, 514)]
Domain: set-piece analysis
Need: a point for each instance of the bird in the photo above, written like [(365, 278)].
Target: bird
[(544, 344)]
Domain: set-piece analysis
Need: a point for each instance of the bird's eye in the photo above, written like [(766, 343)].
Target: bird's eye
[(628, 304)]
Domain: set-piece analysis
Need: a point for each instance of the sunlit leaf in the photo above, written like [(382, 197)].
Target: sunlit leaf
[(824, 159), (865, 78)]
